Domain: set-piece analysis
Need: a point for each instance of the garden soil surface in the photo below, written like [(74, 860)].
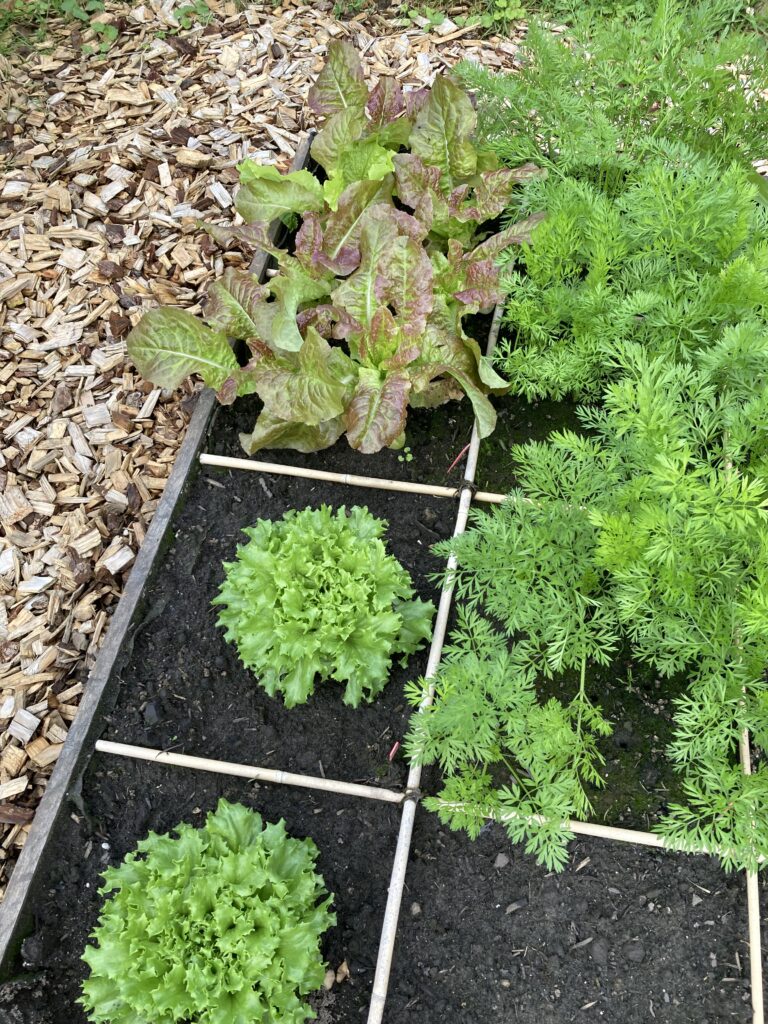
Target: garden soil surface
[(487, 936)]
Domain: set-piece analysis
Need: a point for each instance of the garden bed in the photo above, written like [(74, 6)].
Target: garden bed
[(486, 935)]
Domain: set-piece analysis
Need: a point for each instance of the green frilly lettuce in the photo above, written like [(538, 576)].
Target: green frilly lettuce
[(217, 925), (315, 595)]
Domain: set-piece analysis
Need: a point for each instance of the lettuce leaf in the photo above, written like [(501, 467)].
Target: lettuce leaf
[(364, 316), (442, 133), (315, 596), (341, 83), (233, 303), (229, 917), (367, 161), (344, 226), (336, 136), (168, 345), (375, 417), (311, 385), (291, 289), (266, 195), (271, 432)]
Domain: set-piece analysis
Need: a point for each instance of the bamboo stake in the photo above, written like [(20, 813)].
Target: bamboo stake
[(350, 479), (245, 771), (400, 864), (753, 912), (592, 828)]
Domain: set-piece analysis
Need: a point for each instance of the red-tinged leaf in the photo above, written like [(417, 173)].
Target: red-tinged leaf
[(445, 352), (482, 284), (341, 245), (330, 321), (380, 341), (404, 281), (489, 197), (442, 133), (408, 225), (227, 393), (271, 432), (405, 355), (376, 416), (308, 386), (341, 83), (529, 170), (385, 102), (516, 234), (415, 100), (418, 186), (233, 301), (358, 294), (309, 244), (384, 346)]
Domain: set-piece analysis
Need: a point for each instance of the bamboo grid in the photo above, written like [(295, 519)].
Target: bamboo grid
[(409, 798)]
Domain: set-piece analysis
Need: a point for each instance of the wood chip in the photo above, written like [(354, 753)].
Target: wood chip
[(23, 726), (13, 788)]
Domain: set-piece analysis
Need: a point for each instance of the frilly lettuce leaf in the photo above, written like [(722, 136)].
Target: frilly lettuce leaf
[(228, 916), (314, 596)]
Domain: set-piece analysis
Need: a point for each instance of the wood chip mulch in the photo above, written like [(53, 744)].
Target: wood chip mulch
[(110, 162)]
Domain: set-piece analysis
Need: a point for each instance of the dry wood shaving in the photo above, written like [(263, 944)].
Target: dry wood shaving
[(111, 161)]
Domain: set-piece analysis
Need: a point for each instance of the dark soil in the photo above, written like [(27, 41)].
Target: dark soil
[(623, 935)]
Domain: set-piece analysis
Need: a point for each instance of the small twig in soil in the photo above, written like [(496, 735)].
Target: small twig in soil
[(458, 459)]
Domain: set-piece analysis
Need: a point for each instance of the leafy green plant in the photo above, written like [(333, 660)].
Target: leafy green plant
[(494, 15), (668, 261), (214, 924), (652, 530), (588, 103), (431, 15), (505, 754), (315, 594), (364, 317), (349, 8), (721, 15), (21, 18), (195, 13)]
